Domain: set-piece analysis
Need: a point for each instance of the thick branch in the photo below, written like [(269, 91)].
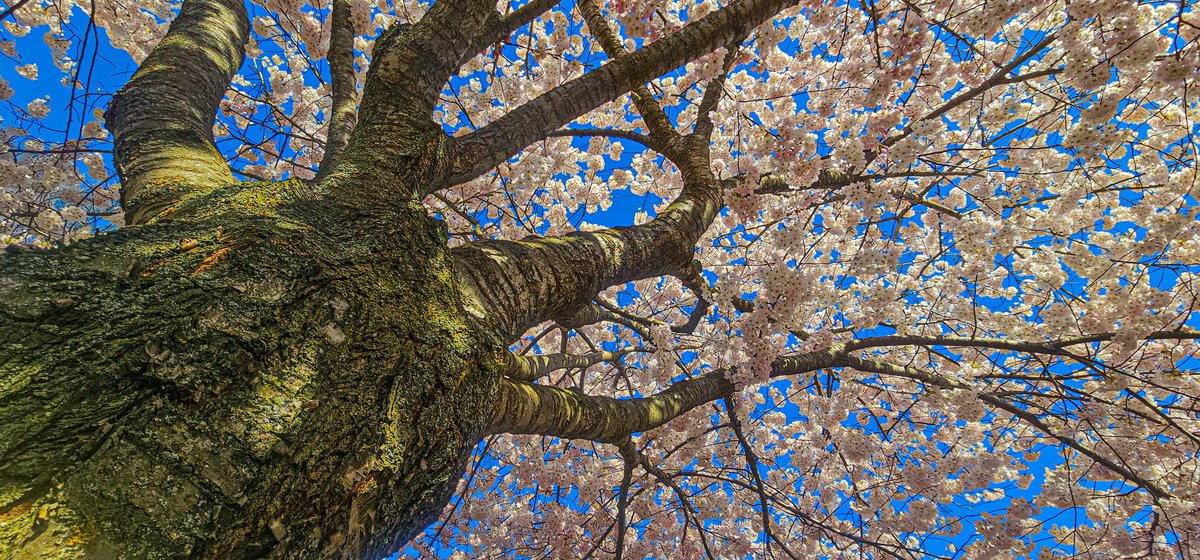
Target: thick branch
[(395, 148), (656, 119), (517, 284), (536, 366), (523, 408), (593, 313), (479, 151), (343, 111), (162, 119), (534, 409)]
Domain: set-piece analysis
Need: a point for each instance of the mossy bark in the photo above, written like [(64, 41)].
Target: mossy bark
[(251, 379)]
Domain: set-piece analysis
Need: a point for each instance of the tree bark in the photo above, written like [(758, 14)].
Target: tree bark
[(250, 380), (343, 110), (162, 119)]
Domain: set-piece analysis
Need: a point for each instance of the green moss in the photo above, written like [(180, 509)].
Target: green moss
[(37, 525), (249, 361)]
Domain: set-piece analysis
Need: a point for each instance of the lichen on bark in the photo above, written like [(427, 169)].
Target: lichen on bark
[(237, 380)]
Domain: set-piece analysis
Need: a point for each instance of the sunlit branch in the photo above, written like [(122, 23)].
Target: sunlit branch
[(535, 366), (1052, 347), (162, 119), (566, 413), (344, 107), (525, 408)]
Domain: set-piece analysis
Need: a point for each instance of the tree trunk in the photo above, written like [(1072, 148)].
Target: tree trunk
[(248, 376)]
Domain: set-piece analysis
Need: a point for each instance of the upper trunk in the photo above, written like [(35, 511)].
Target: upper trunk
[(255, 381)]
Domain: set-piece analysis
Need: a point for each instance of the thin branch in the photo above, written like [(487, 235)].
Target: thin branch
[(1051, 347), (500, 28), (752, 465), (630, 459), (1000, 77), (689, 511), (11, 9)]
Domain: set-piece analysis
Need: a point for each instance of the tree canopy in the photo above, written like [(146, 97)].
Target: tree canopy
[(776, 279)]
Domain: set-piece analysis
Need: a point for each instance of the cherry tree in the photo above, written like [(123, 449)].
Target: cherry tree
[(670, 279)]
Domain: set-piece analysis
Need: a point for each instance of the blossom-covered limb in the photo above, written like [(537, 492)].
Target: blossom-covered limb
[(483, 149), (14, 7), (162, 119), (499, 28), (1026, 416), (999, 77)]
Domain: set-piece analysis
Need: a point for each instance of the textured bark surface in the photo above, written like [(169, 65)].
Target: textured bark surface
[(256, 381), (162, 119)]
